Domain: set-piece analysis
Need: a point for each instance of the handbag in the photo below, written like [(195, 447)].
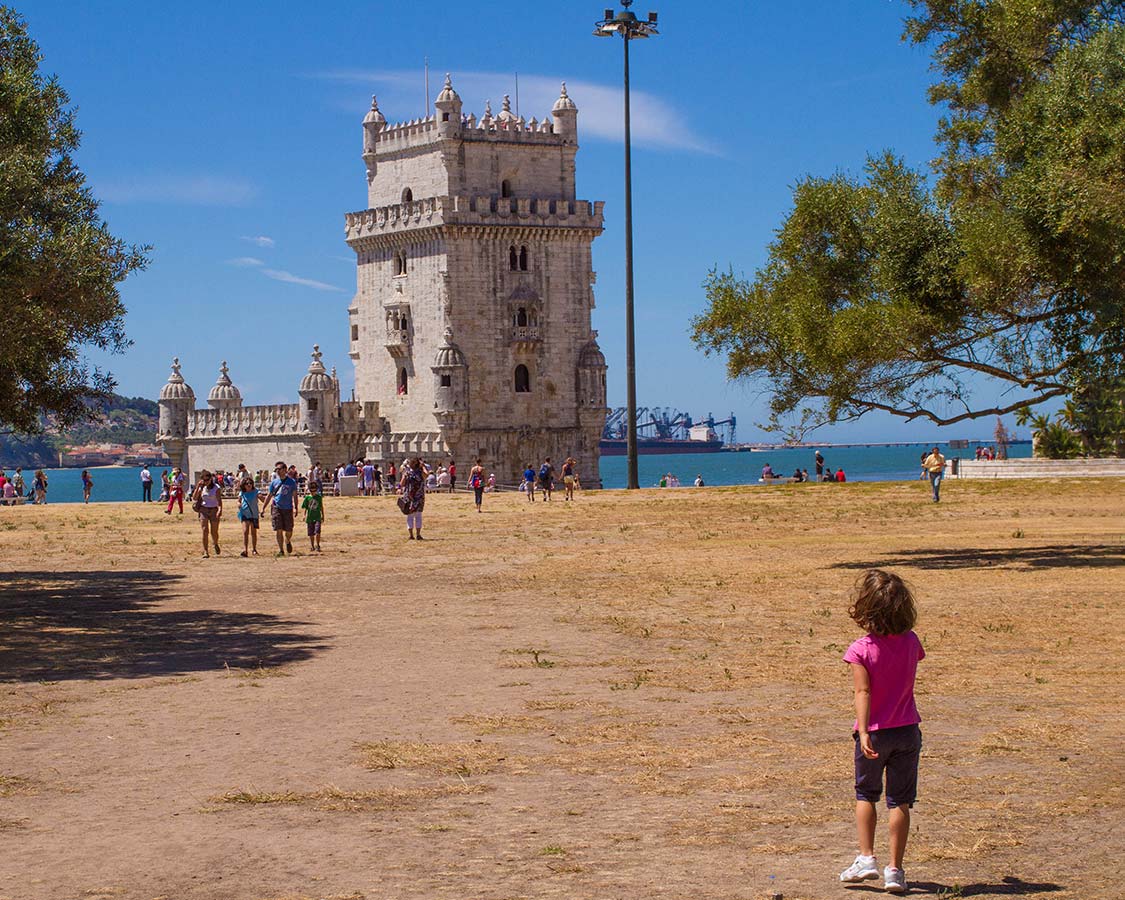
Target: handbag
[(404, 504)]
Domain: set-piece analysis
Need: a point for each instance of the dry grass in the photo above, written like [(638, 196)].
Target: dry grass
[(678, 724), (464, 759), (332, 798)]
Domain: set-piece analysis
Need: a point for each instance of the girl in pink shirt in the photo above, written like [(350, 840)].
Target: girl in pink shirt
[(888, 740)]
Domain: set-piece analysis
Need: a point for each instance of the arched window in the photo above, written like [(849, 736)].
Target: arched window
[(505, 188), (523, 380), (513, 259), (521, 318), (407, 195), (403, 382), (523, 259), (400, 262)]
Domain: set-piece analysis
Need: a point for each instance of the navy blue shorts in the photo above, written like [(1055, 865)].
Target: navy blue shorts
[(898, 749)]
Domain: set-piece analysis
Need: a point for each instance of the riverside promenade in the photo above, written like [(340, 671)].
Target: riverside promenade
[(636, 695)]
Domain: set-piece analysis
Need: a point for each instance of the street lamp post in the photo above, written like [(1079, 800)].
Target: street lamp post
[(630, 28)]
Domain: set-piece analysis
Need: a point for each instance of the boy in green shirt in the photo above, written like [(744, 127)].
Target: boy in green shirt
[(313, 505)]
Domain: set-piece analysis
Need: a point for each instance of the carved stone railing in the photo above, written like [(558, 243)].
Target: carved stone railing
[(525, 334), (398, 341)]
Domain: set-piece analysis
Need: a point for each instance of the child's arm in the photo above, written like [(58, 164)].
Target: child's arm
[(863, 708)]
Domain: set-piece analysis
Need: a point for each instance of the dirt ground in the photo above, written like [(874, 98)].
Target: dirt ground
[(631, 696)]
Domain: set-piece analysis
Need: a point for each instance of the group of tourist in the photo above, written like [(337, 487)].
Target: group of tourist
[(282, 493), (543, 479), (14, 489)]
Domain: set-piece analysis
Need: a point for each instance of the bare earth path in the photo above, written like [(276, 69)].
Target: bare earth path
[(628, 696)]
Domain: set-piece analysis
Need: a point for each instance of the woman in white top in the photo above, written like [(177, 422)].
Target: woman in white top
[(208, 500)]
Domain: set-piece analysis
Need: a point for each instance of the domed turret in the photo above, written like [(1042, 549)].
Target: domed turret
[(373, 123), (317, 392), (590, 375), (224, 395), (177, 388), (177, 401), (565, 116), (448, 106), (451, 387), (507, 118)]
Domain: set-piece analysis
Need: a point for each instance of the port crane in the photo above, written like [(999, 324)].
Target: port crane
[(665, 423)]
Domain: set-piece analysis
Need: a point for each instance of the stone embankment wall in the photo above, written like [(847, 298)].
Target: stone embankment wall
[(1036, 468)]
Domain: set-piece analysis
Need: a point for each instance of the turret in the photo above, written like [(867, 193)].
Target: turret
[(507, 118), (451, 387), (318, 395), (177, 401), (448, 106), (591, 377), (373, 123), (224, 395), (565, 116)]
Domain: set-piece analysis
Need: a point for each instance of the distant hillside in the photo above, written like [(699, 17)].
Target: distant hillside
[(121, 420)]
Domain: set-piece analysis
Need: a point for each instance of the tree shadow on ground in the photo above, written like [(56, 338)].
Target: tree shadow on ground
[(1054, 555), (1009, 886), (91, 625)]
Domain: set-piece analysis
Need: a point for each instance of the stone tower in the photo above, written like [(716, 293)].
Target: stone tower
[(473, 232), (177, 401)]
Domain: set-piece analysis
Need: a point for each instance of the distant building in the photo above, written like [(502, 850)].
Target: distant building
[(470, 329)]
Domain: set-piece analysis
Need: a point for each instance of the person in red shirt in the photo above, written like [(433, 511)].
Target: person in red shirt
[(840, 476)]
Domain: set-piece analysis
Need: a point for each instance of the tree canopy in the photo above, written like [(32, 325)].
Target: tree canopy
[(59, 264), (898, 289)]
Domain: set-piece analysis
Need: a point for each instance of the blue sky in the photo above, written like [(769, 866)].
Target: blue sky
[(228, 137)]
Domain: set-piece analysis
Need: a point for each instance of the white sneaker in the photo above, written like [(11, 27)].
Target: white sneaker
[(894, 880), (863, 869)]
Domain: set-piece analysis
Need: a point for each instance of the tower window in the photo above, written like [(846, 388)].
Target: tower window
[(407, 195), (355, 332), (523, 380), (505, 188), (403, 383), (513, 259), (445, 117), (400, 262), (447, 381), (313, 404), (523, 259), (521, 318)]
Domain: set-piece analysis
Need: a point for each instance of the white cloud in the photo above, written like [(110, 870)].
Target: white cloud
[(260, 240), (654, 121), (245, 261), (290, 278), (189, 190)]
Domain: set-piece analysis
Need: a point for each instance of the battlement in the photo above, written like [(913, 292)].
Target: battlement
[(419, 132), (479, 210), (275, 419)]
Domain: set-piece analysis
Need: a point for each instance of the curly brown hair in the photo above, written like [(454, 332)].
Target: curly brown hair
[(883, 604)]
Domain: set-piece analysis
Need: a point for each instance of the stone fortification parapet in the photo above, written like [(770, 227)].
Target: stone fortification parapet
[(278, 418), (392, 139), (481, 210)]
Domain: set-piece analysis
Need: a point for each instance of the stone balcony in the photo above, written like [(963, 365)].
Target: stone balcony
[(398, 341), (525, 337)]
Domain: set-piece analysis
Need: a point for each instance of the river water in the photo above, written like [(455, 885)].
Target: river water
[(115, 483)]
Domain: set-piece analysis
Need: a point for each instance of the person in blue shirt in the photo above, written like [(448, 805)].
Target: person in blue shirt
[(283, 494), (529, 482)]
